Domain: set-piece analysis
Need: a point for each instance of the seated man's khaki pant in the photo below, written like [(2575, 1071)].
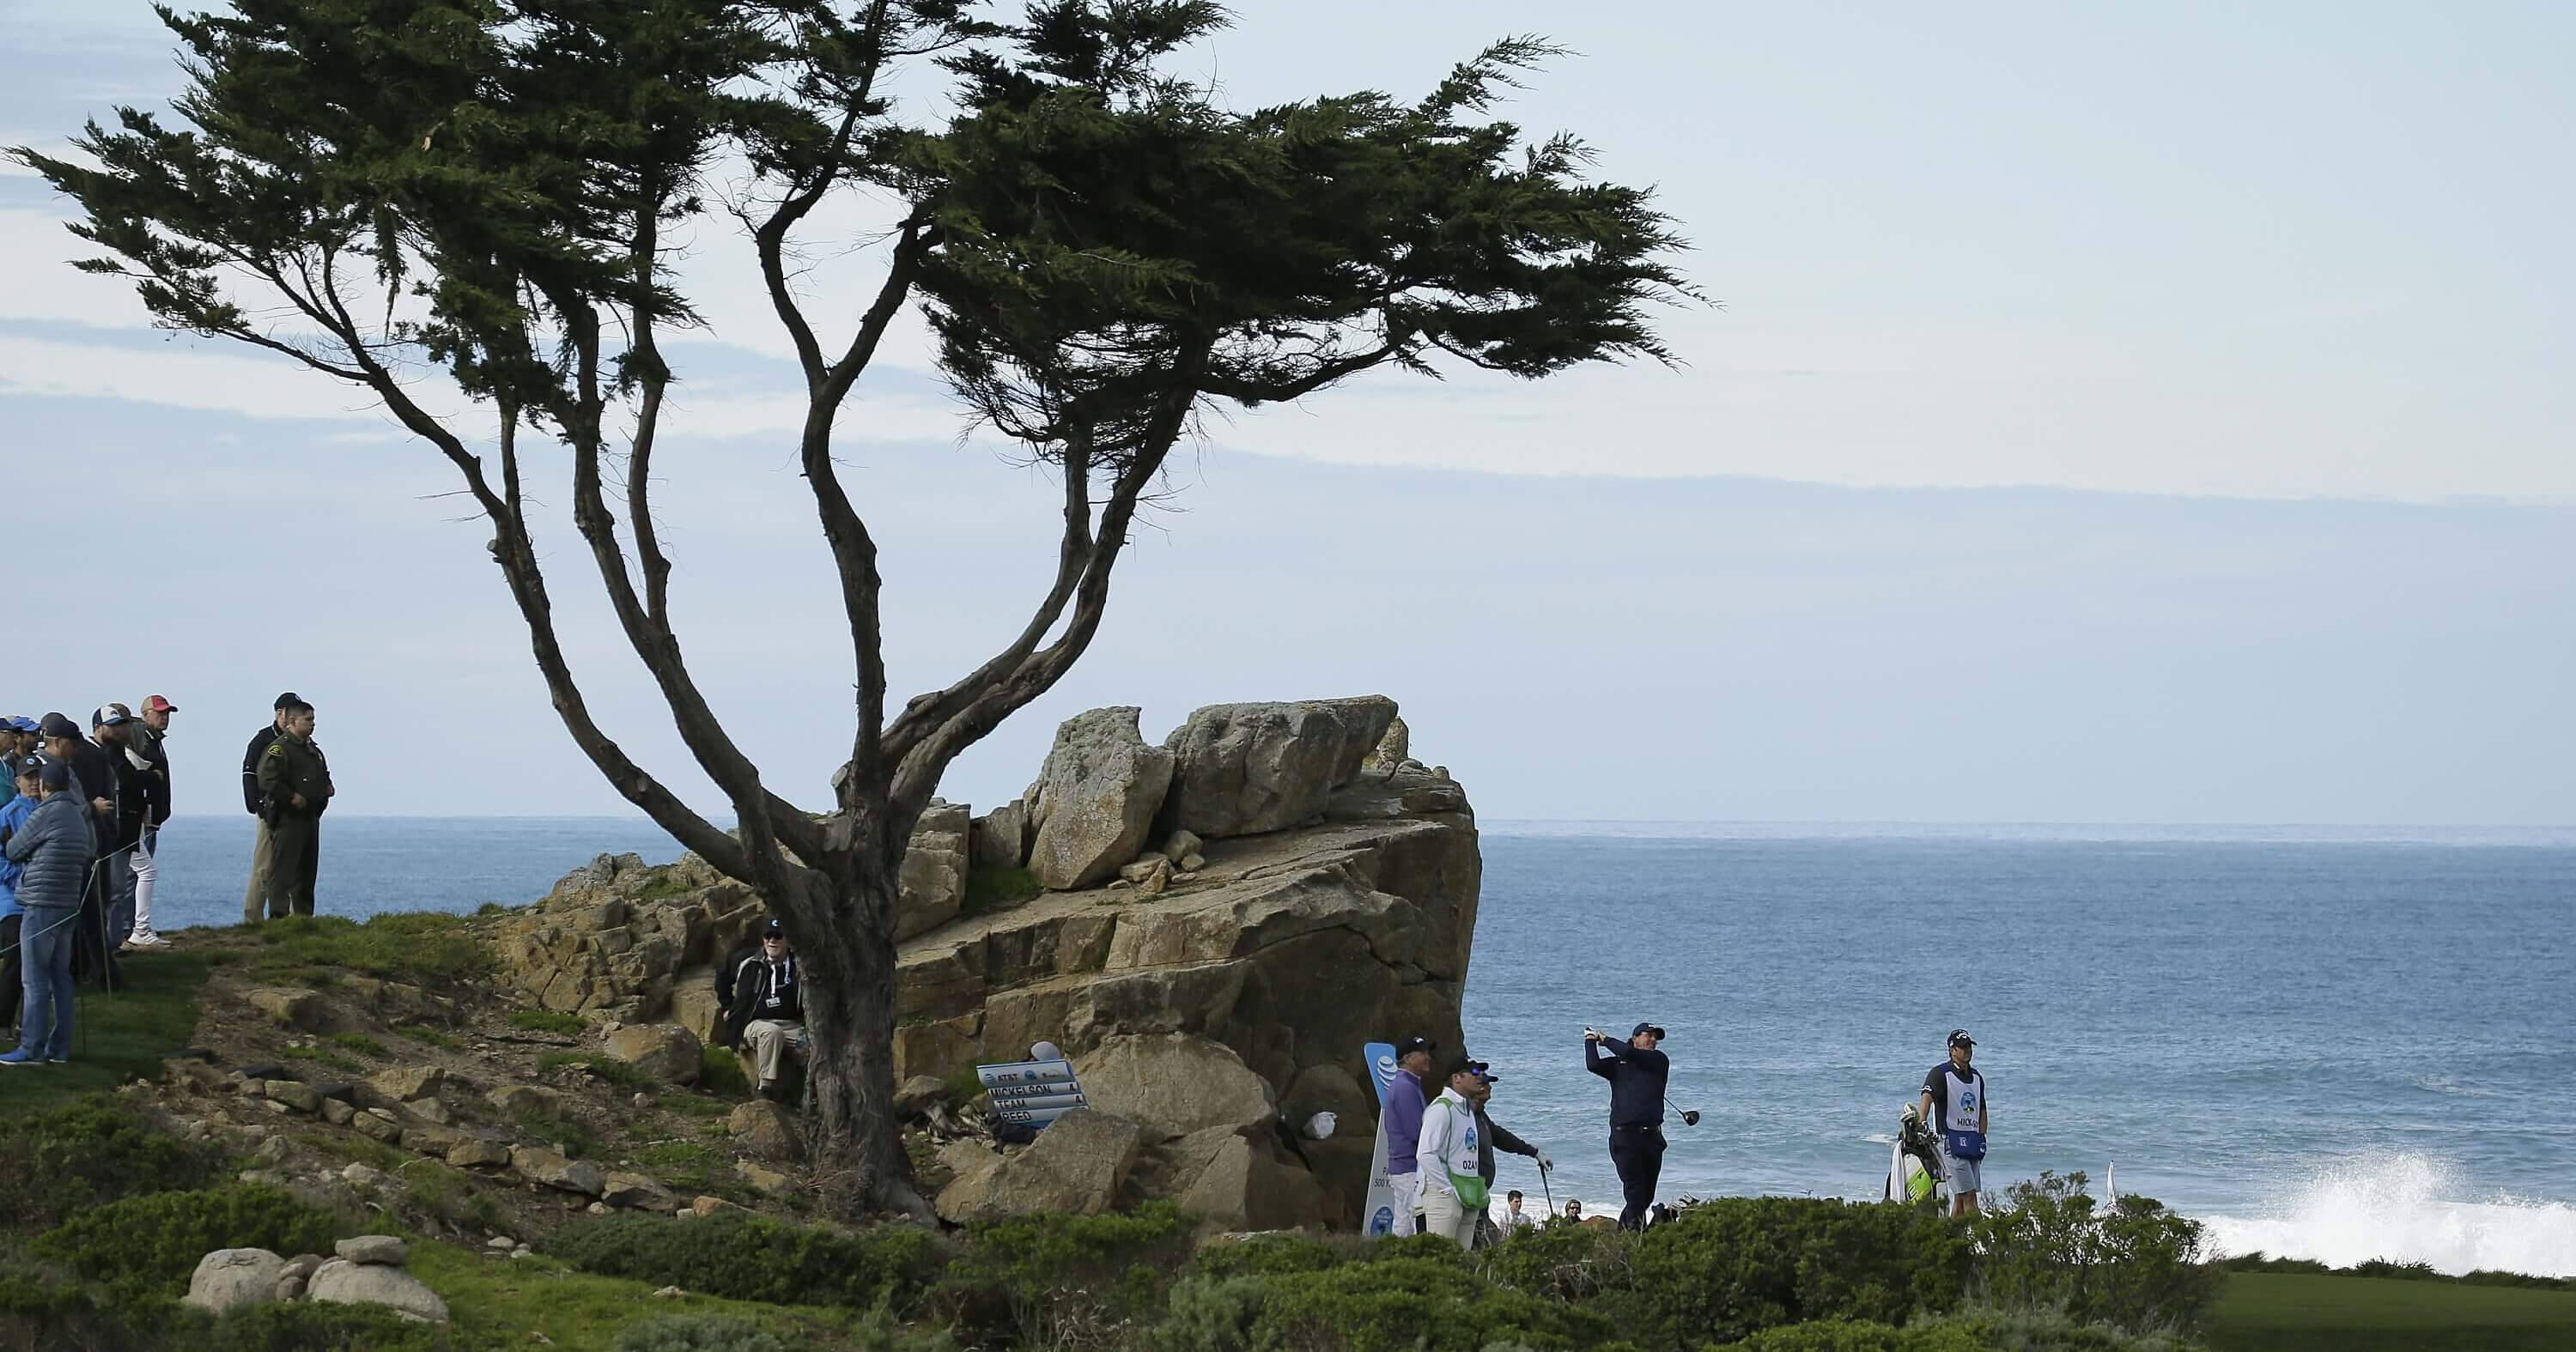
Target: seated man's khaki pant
[(770, 1041)]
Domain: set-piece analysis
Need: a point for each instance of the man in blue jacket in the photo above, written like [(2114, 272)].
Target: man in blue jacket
[(52, 851), (1636, 1073)]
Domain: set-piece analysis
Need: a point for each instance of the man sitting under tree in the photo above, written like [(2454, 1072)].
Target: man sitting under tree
[(763, 996)]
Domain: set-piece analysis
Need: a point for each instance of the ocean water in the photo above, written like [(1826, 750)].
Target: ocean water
[(2328, 1043)]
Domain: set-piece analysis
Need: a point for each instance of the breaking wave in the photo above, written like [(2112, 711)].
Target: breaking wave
[(2406, 1209)]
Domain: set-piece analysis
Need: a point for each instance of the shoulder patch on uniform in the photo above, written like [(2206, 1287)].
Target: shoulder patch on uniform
[(277, 748)]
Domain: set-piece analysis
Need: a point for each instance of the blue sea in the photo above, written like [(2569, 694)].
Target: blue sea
[(2329, 1043)]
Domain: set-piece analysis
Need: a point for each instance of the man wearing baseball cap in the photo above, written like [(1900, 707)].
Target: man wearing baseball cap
[(1453, 1195), (150, 756), (1954, 1097), (127, 774), (1405, 1098), (1636, 1072), (262, 848)]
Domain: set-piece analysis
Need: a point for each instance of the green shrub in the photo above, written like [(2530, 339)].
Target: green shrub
[(1057, 1280), (1417, 1301), (742, 1256), (358, 1042), (692, 1165), (69, 1160), (1843, 1335), (1724, 1269), (721, 1072), (2135, 1265), (1208, 1313), (547, 1021), (698, 1333), (1563, 1262), (308, 1327), (154, 1242), (1265, 1255)]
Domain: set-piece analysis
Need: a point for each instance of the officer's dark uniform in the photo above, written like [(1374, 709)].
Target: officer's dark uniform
[(293, 765)]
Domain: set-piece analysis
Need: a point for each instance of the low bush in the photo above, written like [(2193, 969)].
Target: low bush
[(358, 1042), (2134, 1265), (698, 1333), (742, 1256), (1420, 1300), (1064, 1281), (1845, 1335), (309, 1327), (153, 1242), (1563, 1262), (1726, 1268), (69, 1160)]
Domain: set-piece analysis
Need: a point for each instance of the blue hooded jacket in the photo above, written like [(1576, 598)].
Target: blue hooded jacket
[(52, 850), (13, 818)]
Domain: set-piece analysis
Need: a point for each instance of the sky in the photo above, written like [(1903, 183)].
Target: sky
[(2154, 415)]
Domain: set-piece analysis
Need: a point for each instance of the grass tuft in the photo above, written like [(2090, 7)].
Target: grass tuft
[(996, 889), (416, 946), (547, 1021), (429, 1036)]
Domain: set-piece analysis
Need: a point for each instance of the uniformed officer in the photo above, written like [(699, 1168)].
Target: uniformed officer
[(296, 783)]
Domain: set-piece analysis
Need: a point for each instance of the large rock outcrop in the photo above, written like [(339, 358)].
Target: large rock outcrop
[(1096, 799), (1242, 769), (1292, 908)]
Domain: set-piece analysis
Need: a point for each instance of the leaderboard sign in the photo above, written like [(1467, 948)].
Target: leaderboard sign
[(1032, 1092)]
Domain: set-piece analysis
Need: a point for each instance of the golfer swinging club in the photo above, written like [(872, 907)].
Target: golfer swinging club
[(1636, 1073)]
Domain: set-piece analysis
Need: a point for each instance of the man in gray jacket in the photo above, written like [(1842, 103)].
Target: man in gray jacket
[(52, 851)]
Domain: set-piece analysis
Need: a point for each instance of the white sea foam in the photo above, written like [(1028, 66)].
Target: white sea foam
[(2406, 1209)]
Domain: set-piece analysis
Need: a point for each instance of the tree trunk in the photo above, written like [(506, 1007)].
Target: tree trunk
[(843, 930)]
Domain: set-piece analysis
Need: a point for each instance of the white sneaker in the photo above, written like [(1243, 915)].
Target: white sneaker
[(144, 938)]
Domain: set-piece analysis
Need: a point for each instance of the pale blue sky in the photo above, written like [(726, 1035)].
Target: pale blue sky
[(2305, 253)]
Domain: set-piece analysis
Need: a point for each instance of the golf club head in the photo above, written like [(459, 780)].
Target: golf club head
[(1690, 1118)]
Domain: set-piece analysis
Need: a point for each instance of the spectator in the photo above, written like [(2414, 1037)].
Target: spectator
[(1452, 1193), (1574, 1210), (131, 794), (1404, 1100), (295, 783), (1516, 1220), (17, 743), (23, 772), (144, 738), (1490, 1138), (52, 851), (763, 996), (255, 897), (86, 765)]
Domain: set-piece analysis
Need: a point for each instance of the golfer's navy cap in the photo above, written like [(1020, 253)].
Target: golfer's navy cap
[(1959, 1038), (1647, 1028), (1405, 1047)]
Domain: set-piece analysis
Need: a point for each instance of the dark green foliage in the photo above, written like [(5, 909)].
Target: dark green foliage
[(304, 1326), (1564, 1262), (1268, 1255), (1728, 1267), (2134, 1264), (547, 1021), (720, 1072), (1841, 1335), (154, 1242), (698, 1333), (1421, 1300), (748, 1257), (1055, 1280), (69, 1160)]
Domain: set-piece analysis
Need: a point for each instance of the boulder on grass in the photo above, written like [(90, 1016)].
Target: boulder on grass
[(341, 1282), (230, 1279), (766, 1129)]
